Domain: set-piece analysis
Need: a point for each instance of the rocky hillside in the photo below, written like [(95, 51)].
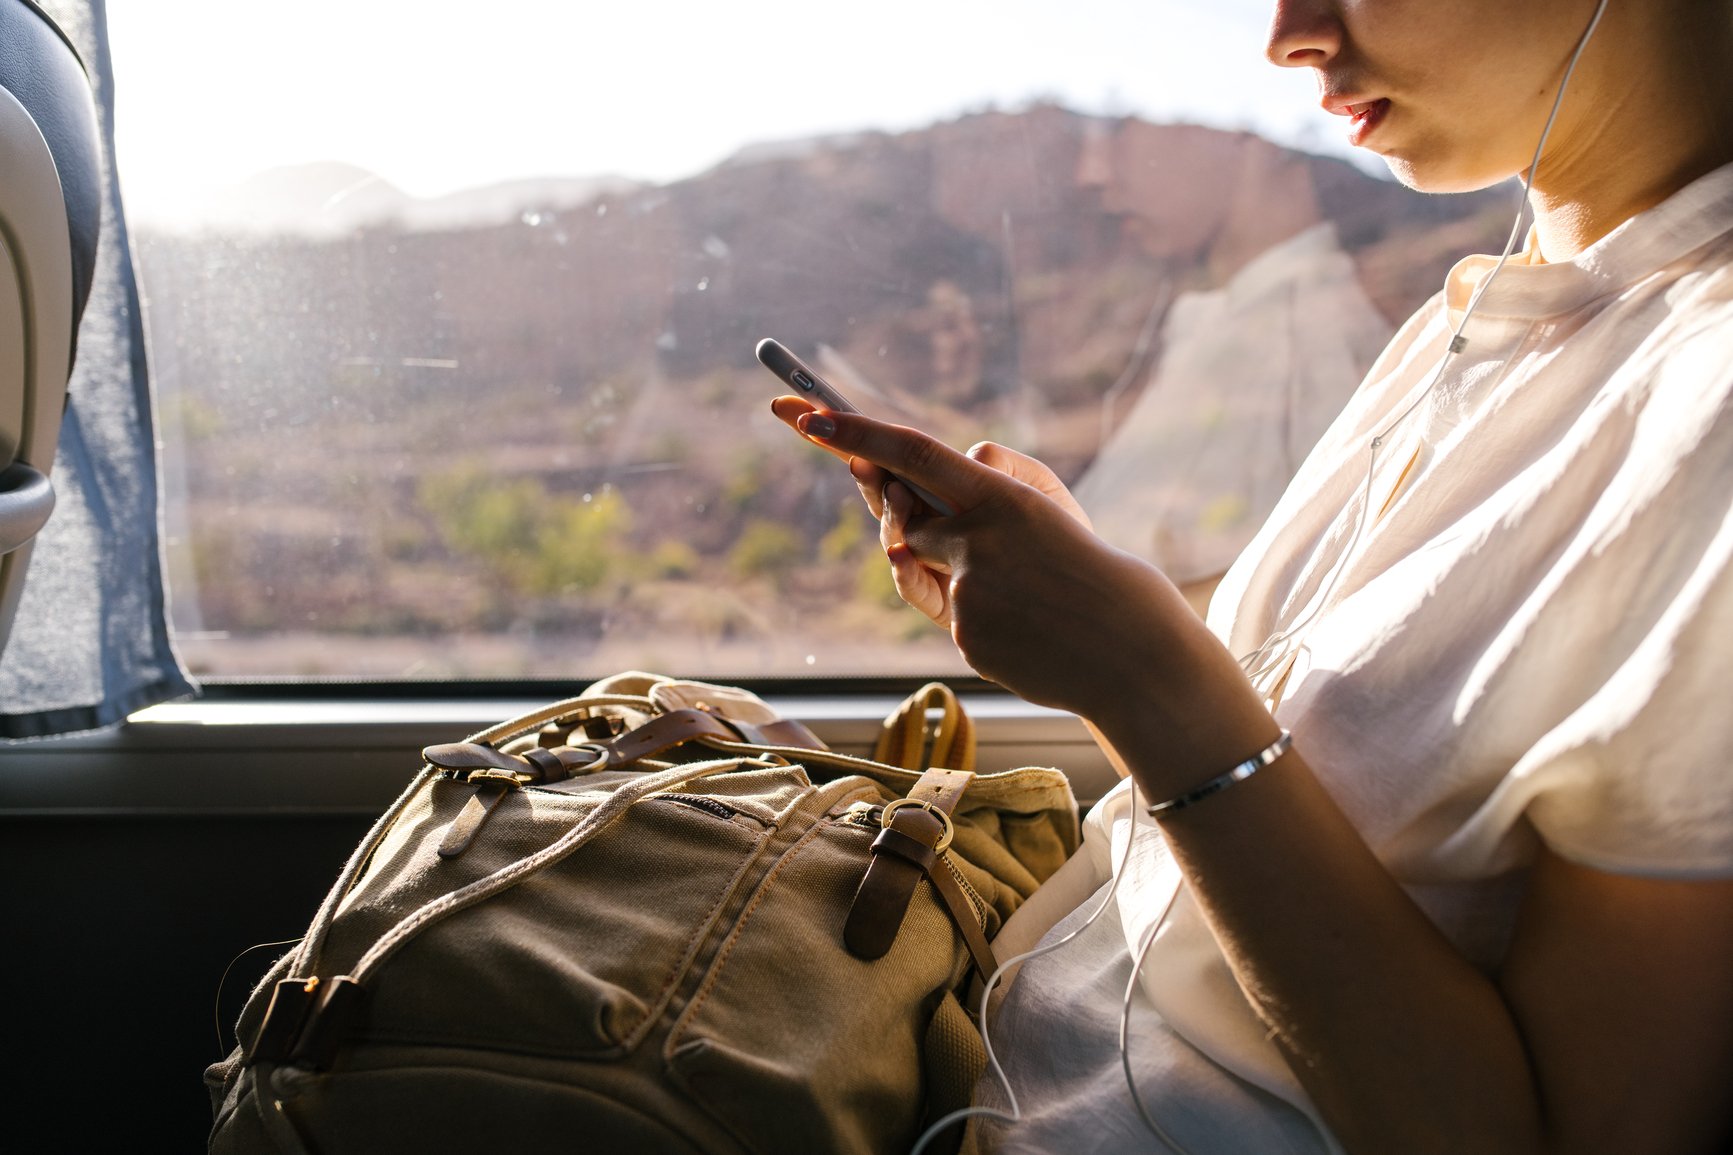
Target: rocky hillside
[(1002, 273)]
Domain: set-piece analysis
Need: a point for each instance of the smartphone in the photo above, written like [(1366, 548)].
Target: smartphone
[(804, 381)]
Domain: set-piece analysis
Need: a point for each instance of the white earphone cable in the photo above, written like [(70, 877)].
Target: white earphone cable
[(1015, 1114), (1267, 657), (1255, 664)]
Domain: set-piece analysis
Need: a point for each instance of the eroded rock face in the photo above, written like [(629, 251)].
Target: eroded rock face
[(1247, 378)]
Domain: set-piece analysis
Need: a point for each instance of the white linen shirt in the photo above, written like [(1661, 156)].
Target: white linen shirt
[(1530, 642)]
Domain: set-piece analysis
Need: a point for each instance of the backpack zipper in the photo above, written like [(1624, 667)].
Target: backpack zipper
[(699, 802)]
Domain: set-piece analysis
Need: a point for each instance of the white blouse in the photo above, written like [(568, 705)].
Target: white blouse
[(1530, 642)]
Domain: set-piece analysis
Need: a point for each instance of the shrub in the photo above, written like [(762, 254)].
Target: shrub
[(874, 583), (844, 539), (765, 547), (579, 543), (674, 559), (533, 541)]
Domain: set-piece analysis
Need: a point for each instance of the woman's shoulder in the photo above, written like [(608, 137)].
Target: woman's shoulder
[(1682, 373)]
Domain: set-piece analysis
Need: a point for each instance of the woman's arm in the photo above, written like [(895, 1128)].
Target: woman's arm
[(1612, 1027)]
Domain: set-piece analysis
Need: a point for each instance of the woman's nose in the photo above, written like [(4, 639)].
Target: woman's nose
[(1303, 33)]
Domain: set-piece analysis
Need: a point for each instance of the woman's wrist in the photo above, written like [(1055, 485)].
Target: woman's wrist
[(1182, 722), (1226, 780)]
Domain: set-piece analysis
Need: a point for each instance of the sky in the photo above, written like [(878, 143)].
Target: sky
[(437, 96)]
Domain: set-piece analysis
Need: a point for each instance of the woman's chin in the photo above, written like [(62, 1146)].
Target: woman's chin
[(1428, 175)]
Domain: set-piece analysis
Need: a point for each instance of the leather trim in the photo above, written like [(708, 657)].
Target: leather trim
[(782, 732), (661, 733), (964, 914), (876, 915), (474, 815)]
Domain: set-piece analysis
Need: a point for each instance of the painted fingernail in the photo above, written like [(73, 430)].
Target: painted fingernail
[(816, 425)]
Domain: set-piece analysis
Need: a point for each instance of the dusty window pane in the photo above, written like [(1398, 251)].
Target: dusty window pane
[(516, 428)]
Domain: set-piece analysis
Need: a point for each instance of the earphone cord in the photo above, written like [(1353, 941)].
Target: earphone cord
[(1255, 664), (1015, 1114), (1267, 657)]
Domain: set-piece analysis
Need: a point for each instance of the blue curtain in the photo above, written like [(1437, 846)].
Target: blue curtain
[(91, 644)]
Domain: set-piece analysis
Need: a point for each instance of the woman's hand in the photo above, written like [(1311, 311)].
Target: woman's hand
[(926, 587), (790, 410), (1006, 546), (1037, 603), (893, 505)]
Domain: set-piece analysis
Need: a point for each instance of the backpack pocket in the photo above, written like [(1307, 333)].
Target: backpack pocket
[(577, 959)]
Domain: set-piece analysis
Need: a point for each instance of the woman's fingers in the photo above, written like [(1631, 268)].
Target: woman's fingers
[(877, 451), (908, 453), (917, 584), (899, 506), (871, 480), (790, 409), (929, 555), (1030, 472)]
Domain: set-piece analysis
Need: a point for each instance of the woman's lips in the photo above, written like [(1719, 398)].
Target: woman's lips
[(1364, 118)]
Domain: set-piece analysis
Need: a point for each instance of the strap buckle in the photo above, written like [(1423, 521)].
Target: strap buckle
[(598, 757), (947, 831)]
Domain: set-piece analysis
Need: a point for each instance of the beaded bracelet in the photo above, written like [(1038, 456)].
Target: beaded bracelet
[(1222, 781)]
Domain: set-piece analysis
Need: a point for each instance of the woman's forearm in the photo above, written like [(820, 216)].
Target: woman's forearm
[(1403, 1046)]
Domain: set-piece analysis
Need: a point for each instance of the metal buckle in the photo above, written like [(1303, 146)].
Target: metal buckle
[(597, 762), (948, 829)]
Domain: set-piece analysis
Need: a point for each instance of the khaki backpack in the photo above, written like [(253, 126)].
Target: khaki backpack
[(653, 918)]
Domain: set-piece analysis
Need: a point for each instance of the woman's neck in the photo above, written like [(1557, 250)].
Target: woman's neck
[(1567, 222), (1641, 136)]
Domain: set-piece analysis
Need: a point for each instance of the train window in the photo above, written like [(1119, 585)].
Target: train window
[(452, 313)]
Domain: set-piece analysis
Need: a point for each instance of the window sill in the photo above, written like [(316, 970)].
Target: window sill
[(352, 755)]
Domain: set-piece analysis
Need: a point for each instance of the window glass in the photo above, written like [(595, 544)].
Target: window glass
[(452, 309)]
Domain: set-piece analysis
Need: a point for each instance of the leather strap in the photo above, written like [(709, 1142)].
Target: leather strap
[(906, 740), (896, 869), (782, 732), (307, 1022), (663, 732), (291, 1002), (549, 764), (333, 1018), (473, 816), (964, 914)]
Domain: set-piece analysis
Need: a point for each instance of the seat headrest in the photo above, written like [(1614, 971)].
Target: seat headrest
[(51, 194), (40, 67)]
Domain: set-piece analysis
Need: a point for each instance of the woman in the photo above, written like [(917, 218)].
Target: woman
[(1484, 903)]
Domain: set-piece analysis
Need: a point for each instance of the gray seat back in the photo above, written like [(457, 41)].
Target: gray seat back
[(50, 212)]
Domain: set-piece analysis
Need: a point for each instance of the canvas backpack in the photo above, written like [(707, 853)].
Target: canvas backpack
[(655, 917)]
